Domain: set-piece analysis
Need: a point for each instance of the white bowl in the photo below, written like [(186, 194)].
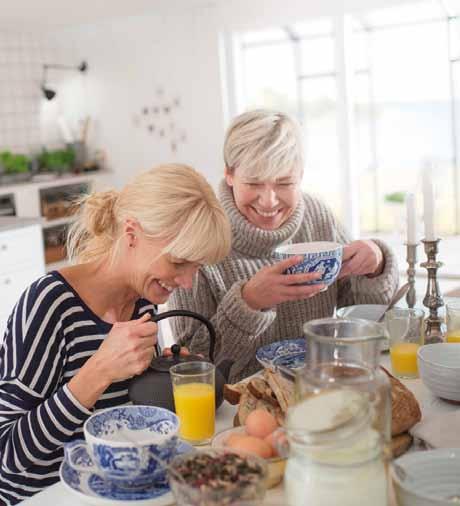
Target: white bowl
[(428, 478), (439, 369)]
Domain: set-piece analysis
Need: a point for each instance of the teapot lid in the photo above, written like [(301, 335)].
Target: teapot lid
[(163, 364)]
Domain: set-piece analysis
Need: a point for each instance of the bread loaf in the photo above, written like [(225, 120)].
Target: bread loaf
[(281, 387), (400, 444), (405, 410)]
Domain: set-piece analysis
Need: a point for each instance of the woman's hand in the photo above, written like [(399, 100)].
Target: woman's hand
[(362, 258), (125, 352), (270, 287), (128, 349)]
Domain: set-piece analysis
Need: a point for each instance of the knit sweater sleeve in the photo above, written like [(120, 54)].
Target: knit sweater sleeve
[(237, 325), (365, 289)]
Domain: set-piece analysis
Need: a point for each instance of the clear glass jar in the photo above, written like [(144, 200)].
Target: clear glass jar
[(334, 454), (346, 352)]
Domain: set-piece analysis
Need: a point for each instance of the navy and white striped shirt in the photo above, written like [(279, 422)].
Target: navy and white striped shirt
[(50, 335)]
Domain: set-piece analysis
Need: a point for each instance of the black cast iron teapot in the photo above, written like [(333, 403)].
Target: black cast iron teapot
[(154, 388)]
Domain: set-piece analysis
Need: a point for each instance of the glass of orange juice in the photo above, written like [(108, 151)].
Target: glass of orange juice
[(453, 321), (194, 400), (405, 329)]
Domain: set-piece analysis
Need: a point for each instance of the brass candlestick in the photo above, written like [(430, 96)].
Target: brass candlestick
[(433, 298), (411, 258)]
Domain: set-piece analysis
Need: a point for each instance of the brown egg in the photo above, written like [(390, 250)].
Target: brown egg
[(234, 437), (271, 440), (260, 423), (250, 444)]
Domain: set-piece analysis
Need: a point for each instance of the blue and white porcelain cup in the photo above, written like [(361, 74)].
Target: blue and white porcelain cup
[(320, 257), (130, 445)]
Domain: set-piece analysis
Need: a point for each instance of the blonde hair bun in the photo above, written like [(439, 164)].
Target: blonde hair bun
[(98, 212)]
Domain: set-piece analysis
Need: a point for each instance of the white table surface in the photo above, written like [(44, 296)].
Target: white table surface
[(58, 495)]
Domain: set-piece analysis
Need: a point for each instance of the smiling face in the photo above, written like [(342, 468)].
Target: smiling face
[(152, 274), (265, 204)]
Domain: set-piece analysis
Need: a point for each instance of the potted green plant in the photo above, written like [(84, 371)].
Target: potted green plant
[(14, 167), (59, 160)]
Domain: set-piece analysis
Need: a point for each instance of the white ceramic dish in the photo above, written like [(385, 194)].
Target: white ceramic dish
[(439, 369), (428, 478)]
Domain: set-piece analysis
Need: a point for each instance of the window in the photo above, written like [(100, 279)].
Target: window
[(405, 62), (405, 111)]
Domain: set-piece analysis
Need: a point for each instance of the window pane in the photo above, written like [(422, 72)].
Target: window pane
[(456, 72), (270, 35), (322, 172), (412, 122), (365, 135), (317, 55), (453, 7), (269, 78), (321, 26), (454, 31), (408, 13), (361, 41)]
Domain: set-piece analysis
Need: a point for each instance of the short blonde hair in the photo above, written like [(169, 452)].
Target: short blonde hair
[(171, 202), (264, 144)]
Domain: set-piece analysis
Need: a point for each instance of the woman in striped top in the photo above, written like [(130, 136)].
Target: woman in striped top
[(76, 336)]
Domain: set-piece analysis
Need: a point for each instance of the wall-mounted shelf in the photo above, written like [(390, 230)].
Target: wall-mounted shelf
[(67, 220), (49, 200)]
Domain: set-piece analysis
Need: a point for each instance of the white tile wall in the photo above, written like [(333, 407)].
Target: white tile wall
[(21, 101)]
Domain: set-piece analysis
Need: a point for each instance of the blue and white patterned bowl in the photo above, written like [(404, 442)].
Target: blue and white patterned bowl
[(93, 488), (321, 257), (428, 478), (290, 363), (267, 354), (129, 445)]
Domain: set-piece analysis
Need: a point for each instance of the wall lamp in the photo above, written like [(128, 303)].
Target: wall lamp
[(48, 92)]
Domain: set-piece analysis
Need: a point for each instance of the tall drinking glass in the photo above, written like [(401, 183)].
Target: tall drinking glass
[(453, 322), (405, 330), (194, 400)]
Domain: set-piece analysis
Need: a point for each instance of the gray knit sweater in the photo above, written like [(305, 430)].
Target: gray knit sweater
[(241, 330)]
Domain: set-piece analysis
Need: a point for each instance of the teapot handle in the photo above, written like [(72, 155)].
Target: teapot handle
[(196, 316)]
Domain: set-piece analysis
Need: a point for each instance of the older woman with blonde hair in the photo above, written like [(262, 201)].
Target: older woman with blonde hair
[(247, 296), (76, 336)]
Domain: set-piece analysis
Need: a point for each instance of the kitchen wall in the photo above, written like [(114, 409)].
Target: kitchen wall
[(27, 121)]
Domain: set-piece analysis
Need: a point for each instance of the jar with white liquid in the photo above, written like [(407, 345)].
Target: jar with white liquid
[(335, 455)]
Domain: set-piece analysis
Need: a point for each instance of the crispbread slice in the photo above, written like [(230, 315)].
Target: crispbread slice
[(282, 388), (261, 389), (232, 393), (247, 404)]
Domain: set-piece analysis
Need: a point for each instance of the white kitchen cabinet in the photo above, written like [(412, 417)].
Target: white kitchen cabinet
[(21, 261)]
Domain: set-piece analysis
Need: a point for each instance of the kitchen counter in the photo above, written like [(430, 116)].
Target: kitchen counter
[(13, 222)]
